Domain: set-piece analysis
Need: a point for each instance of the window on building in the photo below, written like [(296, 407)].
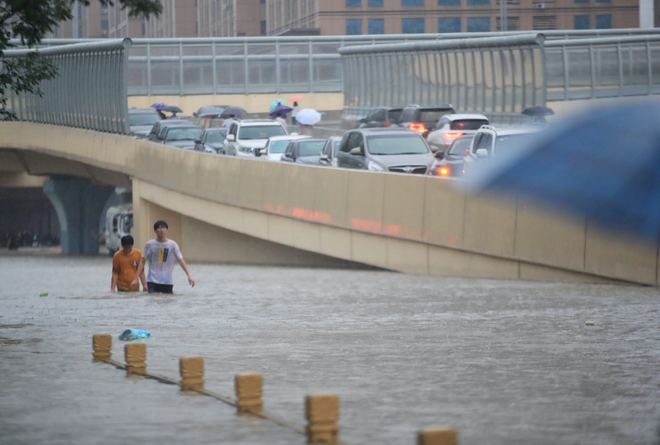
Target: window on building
[(412, 26), (478, 24), (542, 22), (603, 1), (478, 2), (581, 1), (449, 24), (512, 23), (581, 22), (353, 3), (603, 21), (412, 2), (449, 2), (375, 3), (263, 2), (262, 27), (353, 27), (376, 26), (517, 2)]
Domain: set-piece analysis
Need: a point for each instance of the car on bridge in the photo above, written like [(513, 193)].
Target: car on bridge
[(421, 118), (182, 136), (453, 126), (304, 151), (449, 164), (210, 112), (490, 141), (329, 153), (381, 117), (244, 136), (276, 145), (212, 141), (385, 149), (142, 120), (155, 135)]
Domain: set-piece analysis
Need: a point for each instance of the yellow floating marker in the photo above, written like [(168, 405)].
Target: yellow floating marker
[(102, 344), (249, 388), (437, 435), (136, 357), (192, 372), (322, 412)]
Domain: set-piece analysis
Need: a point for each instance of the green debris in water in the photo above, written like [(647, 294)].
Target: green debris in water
[(43, 294)]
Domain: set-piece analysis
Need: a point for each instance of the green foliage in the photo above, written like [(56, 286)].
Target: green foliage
[(30, 21)]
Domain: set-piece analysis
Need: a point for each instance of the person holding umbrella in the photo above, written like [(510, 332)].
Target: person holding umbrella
[(306, 119), (294, 111), (228, 120), (279, 113), (229, 113)]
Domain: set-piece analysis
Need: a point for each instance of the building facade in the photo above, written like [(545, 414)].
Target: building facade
[(178, 19), (231, 18), (353, 17)]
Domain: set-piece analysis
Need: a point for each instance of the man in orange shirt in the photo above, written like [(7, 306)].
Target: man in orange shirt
[(124, 267)]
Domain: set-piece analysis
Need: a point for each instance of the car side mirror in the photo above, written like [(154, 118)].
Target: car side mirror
[(324, 157), (258, 152), (482, 153), (198, 141), (231, 137), (356, 151), (439, 154), (363, 120)]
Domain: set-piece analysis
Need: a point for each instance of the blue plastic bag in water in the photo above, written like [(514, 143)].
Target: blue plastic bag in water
[(134, 334)]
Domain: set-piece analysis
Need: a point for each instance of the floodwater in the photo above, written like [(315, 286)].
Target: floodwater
[(503, 362)]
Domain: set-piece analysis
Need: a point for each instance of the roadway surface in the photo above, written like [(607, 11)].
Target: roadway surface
[(503, 362)]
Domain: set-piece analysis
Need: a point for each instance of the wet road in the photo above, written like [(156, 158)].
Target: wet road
[(503, 362)]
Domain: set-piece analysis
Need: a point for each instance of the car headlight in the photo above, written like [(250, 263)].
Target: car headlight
[(372, 166)]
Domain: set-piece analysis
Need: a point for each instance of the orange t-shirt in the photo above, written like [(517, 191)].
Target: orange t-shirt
[(125, 266)]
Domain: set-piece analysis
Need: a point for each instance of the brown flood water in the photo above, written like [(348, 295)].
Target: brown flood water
[(503, 362)]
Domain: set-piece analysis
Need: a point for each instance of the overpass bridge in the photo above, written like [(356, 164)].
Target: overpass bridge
[(224, 209)]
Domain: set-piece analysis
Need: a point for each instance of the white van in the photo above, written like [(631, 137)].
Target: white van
[(118, 223)]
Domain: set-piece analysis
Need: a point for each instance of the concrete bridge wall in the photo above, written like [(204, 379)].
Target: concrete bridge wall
[(412, 224)]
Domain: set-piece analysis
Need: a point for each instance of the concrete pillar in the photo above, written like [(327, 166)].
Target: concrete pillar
[(78, 203), (192, 372), (102, 344), (136, 357), (322, 412), (438, 435)]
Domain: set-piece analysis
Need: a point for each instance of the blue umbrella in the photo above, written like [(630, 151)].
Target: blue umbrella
[(282, 109), (603, 164), (276, 103), (159, 106)]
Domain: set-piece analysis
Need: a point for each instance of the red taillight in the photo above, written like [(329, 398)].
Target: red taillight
[(417, 127), (387, 124), (452, 135), (444, 170)]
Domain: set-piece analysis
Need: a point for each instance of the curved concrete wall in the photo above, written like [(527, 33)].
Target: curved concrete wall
[(406, 223)]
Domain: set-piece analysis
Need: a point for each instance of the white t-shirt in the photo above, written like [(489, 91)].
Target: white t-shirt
[(162, 257)]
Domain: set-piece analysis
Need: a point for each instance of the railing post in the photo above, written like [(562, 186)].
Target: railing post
[(437, 435), (136, 357), (249, 389), (322, 412), (102, 344), (192, 372)]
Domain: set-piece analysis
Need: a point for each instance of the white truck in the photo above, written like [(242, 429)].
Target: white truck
[(118, 223)]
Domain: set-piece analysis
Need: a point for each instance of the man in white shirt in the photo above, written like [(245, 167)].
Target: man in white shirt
[(280, 119), (162, 254), (228, 121)]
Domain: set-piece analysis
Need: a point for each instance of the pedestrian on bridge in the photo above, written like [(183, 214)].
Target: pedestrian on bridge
[(162, 254), (228, 121)]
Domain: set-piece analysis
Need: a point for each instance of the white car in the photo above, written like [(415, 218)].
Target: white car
[(490, 141), (453, 126), (246, 136), (276, 145)]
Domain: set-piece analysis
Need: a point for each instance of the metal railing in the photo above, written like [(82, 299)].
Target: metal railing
[(89, 90), (502, 75)]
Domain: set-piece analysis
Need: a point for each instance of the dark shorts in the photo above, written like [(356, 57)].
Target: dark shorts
[(159, 288)]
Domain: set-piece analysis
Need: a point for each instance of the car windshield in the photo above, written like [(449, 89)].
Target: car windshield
[(432, 115), (467, 124), (405, 144), (278, 146), (184, 133), (261, 132), (505, 144), (216, 136), (310, 148), (395, 115), (139, 119), (460, 146)]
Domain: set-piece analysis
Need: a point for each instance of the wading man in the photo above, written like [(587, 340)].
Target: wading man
[(124, 268), (162, 254)]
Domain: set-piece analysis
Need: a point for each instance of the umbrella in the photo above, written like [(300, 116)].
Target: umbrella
[(232, 111), (308, 116), (275, 103), (538, 110), (296, 98), (282, 109), (603, 164), (172, 109), (159, 106)]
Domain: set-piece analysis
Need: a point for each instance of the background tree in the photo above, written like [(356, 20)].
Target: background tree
[(30, 21)]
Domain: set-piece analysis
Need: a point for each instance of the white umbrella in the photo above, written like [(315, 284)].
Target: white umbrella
[(308, 116)]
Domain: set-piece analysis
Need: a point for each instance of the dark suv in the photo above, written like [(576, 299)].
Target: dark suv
[(422, 119), (381, 117)]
